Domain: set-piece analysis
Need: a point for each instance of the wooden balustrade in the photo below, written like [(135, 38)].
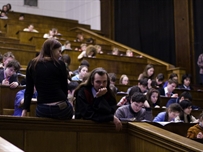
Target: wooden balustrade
[(43, 134)]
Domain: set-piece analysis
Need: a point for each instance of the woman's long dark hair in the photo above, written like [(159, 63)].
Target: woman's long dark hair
[(47, 51)]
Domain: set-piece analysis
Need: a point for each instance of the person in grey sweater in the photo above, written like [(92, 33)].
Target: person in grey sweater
[(134, 111)]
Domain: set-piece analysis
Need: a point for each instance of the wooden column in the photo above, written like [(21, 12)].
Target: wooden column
[(107, 18), (184, 39)]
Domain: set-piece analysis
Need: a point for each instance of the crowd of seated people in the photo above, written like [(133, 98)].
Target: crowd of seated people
[(4, 11), (89, 98)]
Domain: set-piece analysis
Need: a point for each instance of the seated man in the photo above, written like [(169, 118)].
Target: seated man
[(184, 96), (19, 100), (30, 29), (142, 86), (168, 90), (95, 100), (135, 110), (8, 75)]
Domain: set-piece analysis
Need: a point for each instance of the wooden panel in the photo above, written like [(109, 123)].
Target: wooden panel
[(17, 45), (7, 97), (141, 134), (23, 56), (43, 134)]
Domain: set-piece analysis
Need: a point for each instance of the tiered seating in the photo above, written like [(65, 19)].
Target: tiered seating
[(24, 46)]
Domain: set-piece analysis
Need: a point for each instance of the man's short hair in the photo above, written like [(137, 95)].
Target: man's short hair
[(138, 97), (170, 81), (186, 95), (72, 85), (112, 77), (160, 77), (143, 82)]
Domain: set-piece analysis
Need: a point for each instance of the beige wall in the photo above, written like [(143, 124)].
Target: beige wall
[(85, 11)]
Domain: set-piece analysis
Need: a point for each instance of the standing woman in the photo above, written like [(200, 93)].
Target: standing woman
[(48, 74)]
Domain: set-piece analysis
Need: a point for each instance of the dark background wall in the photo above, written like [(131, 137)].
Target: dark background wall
[(146, 25), (198, 30)]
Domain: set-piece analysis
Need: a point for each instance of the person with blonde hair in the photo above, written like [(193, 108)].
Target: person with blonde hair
[(129, 53), (124, 79), (89, 52)]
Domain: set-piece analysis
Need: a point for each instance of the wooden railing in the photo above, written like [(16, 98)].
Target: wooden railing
[(43, 134)]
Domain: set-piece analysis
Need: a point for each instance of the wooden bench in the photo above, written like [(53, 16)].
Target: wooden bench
[(23, 56), (17, 45), (7, 97)]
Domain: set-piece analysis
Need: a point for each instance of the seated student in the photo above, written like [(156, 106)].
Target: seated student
[(83, 62), (158, 81), (90, 41), (79, 38), (185, 115), (8, 56), (172, 76), (5, 8), (66, 46), (115, 51), (3, 15), (82, 48), (21, 17), (142, 85), (67, 60), (148, 73), (99, 49), (184, 96), (186, 82), (124, 79), (125, 100), (168, 90), (8, 7), (129, 53), (95, 100), (170, 114), (196, 131), (8, 75), (153, 99), (30, 29), (71, 90), (52, 33), (112, 77), (19, 100), (82, 71), (90, 51), (135, 110)]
